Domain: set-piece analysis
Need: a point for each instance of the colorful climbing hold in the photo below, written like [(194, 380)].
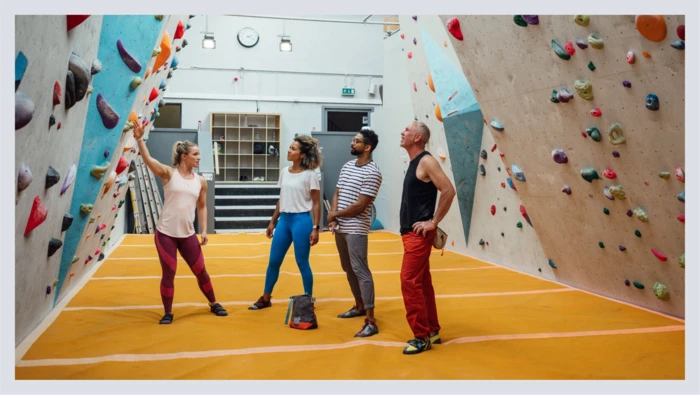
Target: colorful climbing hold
[(482, 170), (122, 164), (596, 41), (551, 263), (680, 31), (24, 177), (67, 222), (510, 183), (630, 57), (438, 115), (165, 51), (627, 283), (651, 27), (641, 214), (626, 84), (629, 213), (129, 60), (564, 95), (606, 211), (86, 208), (74, 20), (661, 291), (52, 177), (652, 102), (135, 83), (518, 19), (581, 43), (482, 242), (52, 121), (21, 64), (566, 189), (410, 55), (559, 156), (616, 154), (483, 154), (99, 171), (37, 215), (532, 19), (665, 175), (561, 52), (646, 54), (519, 225), (591, 66), (681, 217), (584, 88), (415, 42), (174, 63), (518, 173), (596, 112), (569, 47), (610, 173), (617, 192), (615, 134), (622, 248), (179, 30), (594, 133), (637, 284), (54, 245), (681, 261), (681, 196), (24, 110), (680, 174), (431, 85), (553, 98), (497, 125), (601, 245), (110, 118), (606, 192), (589, 174), (96, 66), (582, 20)]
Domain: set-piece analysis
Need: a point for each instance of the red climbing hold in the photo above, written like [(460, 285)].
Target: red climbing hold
[(37, 215), (75, 20), (569, 48), (179, 31), (502, 154), (56, 93), (122, 165), (596, 112), (415, 88), (585, 136), (402, 36), (58, 127), (493, 210), (610, 173), (154, 94), (410, 55), (453, 28), (680, 174), (681, 217), (503, 185), (680, 31), (493, 148), (659, 255)]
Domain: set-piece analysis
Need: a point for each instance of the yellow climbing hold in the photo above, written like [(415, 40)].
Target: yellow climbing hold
[(641, 214), (441, 154), (99, 171), (617, 192), (615, 134), (444, 43), (438, 115), (582, 20), (430, 82), (596, 41), (584, 89)]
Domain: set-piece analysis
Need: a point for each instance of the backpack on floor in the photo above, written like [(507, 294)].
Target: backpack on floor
[(301, 308)]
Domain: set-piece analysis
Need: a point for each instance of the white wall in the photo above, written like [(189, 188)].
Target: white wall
[(294, 84)]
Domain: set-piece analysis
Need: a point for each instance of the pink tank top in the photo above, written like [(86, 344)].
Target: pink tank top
[(177, 217)]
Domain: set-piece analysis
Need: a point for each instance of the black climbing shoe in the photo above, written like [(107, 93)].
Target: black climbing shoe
[(167, 319), (218, 310)]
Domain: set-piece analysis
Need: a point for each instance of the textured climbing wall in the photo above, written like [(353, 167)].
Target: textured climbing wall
[(461, 136), (97, 140), (513, 71)]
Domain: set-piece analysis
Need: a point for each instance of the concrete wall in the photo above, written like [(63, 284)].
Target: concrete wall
[(294, 84), (513, 71), (83, 139)]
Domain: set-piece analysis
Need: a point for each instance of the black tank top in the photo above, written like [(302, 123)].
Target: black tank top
[(418, 198)]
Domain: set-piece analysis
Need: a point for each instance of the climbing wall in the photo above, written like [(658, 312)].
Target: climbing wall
[(486, 209), (589, 112), (80, 83)]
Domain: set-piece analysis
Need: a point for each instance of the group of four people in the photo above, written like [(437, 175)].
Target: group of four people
[(292, 222)]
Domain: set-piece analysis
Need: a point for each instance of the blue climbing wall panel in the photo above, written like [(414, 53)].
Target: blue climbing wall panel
[(139, 34), (463, 128)]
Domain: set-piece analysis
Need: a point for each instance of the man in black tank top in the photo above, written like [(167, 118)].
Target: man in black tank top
[(418, 220)]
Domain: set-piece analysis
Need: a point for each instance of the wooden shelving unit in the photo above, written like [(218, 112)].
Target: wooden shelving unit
[(243, 141)]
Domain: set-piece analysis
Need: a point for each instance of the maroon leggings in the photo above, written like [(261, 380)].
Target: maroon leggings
[(191, 252)]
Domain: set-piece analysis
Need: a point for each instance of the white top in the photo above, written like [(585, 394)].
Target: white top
[(354, 181), (177, 217), (295, 190)]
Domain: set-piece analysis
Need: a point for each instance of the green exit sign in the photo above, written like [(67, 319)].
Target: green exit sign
[(348, 91)]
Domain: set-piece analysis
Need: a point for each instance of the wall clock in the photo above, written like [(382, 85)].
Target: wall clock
[(248, 37)]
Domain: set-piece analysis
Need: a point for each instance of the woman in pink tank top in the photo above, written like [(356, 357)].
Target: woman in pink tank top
[(184, 192)]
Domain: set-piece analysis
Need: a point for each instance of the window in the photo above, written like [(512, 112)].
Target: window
[(170, 116), (339, 119)]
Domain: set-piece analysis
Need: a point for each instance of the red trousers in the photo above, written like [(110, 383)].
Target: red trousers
[(417, 285)]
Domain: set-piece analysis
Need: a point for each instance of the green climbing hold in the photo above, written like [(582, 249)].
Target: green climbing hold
[(104, 243), (540, 269), (99, 171), (601, 245), (128, 126), (589, 174), (661, 291), (606, 211), (582, 20), (188, 26), (593, 133), (638, 284), (559, 50), (584, 89), (617, 192), (159, 17), (518, 19), (92, 219), (638, 233), (86, 208), (681, 261), (615, 134), (519, 225), (596, 41), (135, 82), (554, 97), (75, 259), (591, 66)]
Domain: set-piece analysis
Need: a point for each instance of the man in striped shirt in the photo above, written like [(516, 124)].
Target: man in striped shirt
[(349, 220)]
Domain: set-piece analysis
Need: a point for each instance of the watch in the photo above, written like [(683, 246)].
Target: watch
[(317, 227)]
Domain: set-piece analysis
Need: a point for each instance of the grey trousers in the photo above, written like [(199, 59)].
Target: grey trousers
[(352, 249)]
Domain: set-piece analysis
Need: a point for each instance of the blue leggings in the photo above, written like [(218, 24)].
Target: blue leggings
[(294, 227)]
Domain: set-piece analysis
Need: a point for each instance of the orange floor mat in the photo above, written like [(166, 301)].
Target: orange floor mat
[(496, 324)]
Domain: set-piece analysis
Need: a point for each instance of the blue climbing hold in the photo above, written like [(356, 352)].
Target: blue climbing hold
[(21, 63), (551, 263), (652, 102)]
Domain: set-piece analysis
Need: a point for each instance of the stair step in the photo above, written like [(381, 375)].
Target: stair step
[(242, 202), (251, 207), (247, 191), (247, 197), (267, 219), (244, 211)]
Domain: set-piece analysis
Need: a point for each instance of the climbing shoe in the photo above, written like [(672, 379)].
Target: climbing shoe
[(218, 310), (416, 346), (369, 329), (435, 339), (260, 304), (167, 319), (352, 313)]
